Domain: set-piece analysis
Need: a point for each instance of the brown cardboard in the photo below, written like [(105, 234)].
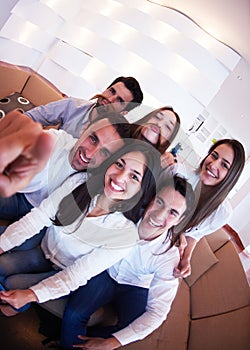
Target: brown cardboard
[(228, 331)]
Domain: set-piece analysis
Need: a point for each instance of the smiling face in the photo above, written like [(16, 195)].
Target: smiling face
[(165, 211), (95, 144), (116, 98), (159, 126), (216, 165), (123, 178)]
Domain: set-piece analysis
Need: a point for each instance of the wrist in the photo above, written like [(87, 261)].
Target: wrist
[(113, 343)]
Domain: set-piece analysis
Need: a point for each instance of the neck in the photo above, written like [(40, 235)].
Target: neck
[(103, 206)]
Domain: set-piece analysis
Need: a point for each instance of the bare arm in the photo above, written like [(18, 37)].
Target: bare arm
[(184, 267), (98, 343)]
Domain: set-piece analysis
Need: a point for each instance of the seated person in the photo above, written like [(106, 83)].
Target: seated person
[(121, 96), (212, 181), (141, 286), (74, 247)]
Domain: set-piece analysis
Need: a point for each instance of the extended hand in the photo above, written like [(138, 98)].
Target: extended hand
[(18, 298), (25, 149)]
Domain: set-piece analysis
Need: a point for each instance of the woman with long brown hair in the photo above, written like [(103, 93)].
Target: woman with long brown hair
[(213, 180)]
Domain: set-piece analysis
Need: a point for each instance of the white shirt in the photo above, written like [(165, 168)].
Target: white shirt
[(56, 171), (83, 249), (144, 267), (215, 220), (71, 113)]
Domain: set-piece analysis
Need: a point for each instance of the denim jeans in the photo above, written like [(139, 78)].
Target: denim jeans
[(14, 207), (22, 269), (129, 303)]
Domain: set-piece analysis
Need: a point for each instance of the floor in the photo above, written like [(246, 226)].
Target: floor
[(21, 332)]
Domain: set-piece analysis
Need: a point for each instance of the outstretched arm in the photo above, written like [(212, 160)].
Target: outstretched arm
[(25, 149)]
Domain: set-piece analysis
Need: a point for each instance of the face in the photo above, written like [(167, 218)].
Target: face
[(117, 95), (217, 165), (160, 125), (165, 211), (123, 178), (95, 144)]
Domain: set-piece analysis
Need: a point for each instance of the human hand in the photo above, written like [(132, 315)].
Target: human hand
[(18, 298), (183, 269), (168, 160), (98, 343), (25, 149)]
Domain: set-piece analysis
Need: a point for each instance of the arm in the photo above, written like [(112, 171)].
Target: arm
[(25, 149), (52, 113), (37, 218), (184, 267), (98, 343)]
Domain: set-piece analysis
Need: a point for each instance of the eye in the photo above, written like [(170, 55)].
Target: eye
[(93, 139), (120, 100), (135, 177), (158, 201), (173, 212), (214, 155), (225, 165), (119, 164), (112, 90)]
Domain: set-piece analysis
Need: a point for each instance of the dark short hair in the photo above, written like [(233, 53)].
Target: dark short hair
[(134, 87), (119, 122)]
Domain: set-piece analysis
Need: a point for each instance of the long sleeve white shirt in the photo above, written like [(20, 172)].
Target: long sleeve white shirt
[(82, 250), (56, 171), (144, 266), (215, 220)]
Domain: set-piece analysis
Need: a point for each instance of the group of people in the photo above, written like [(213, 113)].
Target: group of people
[(97, 216)]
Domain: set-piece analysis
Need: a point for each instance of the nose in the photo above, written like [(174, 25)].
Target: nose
[(122, 176), (215, 163), (91, 151)]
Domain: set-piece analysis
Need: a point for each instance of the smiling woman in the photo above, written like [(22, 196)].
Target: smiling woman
[(91, 215), (217, 174)]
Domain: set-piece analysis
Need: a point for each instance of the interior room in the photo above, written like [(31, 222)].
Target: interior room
[(193, 55)]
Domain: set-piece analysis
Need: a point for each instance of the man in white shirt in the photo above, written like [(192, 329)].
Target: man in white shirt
[(141, 286), (71, 114), (97, 142)]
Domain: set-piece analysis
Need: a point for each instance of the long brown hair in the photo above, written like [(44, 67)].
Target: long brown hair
[(139, 124), (209, 201), (77, 202)]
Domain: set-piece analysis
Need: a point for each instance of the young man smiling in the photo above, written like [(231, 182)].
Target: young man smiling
[(97, 142), (141, 286), (123, 94)]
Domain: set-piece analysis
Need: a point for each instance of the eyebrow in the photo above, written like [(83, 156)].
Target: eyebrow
[(135, 171), (225, 160), (159, 197)]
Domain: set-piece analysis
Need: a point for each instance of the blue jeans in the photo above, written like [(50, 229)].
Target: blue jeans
[(29, 243), (14, 207), (129, 303), (22, 269)]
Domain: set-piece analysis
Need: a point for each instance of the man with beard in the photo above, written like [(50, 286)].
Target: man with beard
[(71, 114)]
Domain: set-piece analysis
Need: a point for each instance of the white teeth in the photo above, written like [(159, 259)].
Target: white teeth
[(116, 187), (83, 158), (153, 223), (210, 173)]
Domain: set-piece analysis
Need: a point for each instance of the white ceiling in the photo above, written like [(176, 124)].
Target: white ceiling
[(226, 20)]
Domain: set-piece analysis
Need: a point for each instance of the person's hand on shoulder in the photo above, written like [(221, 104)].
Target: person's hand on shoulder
[(24, 151)]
